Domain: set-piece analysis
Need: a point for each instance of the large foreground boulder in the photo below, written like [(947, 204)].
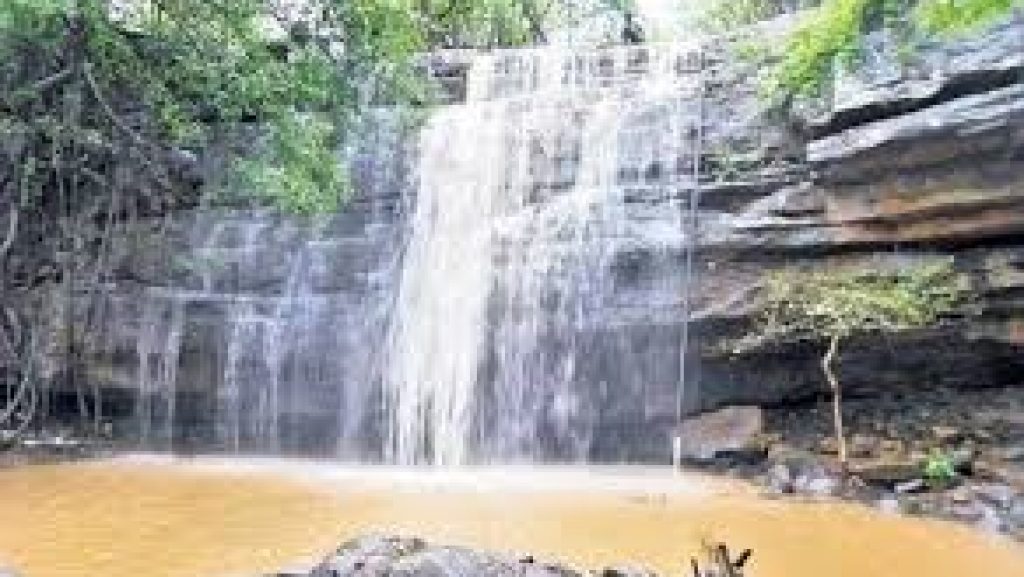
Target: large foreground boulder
[(391, 556)]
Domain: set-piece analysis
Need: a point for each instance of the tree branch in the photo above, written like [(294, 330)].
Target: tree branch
[(12, 230), (119, 123), (52, 80), (837, 400)]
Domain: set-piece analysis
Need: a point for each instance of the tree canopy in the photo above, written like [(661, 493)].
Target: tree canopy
[(147, 74), (823, 305)]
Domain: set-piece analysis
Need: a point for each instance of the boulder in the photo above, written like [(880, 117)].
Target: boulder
[(393, 556), (721, 433)]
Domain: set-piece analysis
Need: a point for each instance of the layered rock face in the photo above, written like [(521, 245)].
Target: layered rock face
[(244, 330), (907, 163)]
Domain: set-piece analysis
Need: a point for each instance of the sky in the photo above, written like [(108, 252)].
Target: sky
[(667, 19)]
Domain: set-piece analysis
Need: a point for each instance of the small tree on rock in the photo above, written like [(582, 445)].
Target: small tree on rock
[(833, 306)]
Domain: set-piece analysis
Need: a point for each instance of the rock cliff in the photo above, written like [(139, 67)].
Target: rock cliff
[(906, 163)]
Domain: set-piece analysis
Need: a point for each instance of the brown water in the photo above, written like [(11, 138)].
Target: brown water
[(214, 518)]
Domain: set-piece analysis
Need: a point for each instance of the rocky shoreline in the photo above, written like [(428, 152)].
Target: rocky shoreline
[(790, 452)]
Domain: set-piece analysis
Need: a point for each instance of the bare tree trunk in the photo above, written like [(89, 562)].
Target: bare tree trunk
[(837, 396)]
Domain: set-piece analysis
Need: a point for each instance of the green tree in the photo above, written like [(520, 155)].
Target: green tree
[(831, 307)]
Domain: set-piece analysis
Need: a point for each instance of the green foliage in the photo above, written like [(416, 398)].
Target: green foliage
[(457, 23), (299, 168), (957, 16), (939, 467), (831, 35), (195, 64), (834, 305), (728, 15), (839, 304)]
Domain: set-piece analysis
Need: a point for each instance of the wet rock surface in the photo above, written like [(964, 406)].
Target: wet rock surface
[(731, 432), (891, 439)]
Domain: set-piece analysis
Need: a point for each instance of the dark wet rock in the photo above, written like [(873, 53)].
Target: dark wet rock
[(732, 431), (963, 460), (624, 572)]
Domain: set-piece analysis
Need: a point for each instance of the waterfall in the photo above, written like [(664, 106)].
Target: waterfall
[(523, 195), (157, 348), (507, 286)]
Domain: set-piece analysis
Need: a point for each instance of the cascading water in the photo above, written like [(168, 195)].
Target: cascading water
[(522, 207), (157, 346), (517, 298)]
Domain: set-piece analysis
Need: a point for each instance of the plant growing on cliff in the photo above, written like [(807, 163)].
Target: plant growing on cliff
[(831, 307), (831, 35), (939, 468)]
